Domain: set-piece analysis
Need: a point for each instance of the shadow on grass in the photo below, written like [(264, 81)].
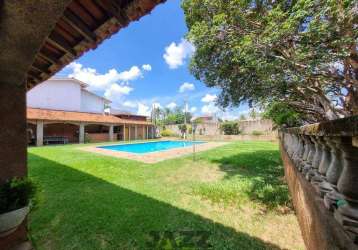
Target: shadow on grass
[(76, 210), (263, 170)]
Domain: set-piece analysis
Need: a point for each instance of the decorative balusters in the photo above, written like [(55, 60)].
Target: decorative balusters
[(347, 208), (316, 158), (311, 153), (329, 160)]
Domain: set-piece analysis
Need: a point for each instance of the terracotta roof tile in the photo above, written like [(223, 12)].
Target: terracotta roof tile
[(72, 116)]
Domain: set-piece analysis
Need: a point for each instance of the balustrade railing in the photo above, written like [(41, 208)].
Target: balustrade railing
[(326, 154)]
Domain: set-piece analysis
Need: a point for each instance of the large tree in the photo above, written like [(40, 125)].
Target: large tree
[(300, 52)]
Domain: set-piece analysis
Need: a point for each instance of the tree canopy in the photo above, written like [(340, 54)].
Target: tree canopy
[(302, 53)]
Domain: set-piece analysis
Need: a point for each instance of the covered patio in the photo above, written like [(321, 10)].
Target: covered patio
[(83, 127)]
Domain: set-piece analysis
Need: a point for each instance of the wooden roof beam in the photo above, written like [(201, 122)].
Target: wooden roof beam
[(40, 69), (48, 57), (79, 25), (35, 77), (59, 42), (115, 10)]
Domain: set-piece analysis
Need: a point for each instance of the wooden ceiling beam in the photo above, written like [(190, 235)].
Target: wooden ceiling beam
[(59, 42), (40, 69), (79, 25), (48, 57), (115, 10), (35, 77)]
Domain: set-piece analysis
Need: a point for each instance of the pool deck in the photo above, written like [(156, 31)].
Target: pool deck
[(154, 157)]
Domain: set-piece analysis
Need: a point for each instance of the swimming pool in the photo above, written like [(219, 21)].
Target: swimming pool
[(148, 147)]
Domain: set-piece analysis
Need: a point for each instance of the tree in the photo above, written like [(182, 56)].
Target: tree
[(183, 129), (283, 115), (230, 128), (242, 117), (300, 53)]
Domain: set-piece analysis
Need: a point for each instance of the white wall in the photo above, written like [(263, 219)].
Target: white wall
[(55, 94), (91, 103)]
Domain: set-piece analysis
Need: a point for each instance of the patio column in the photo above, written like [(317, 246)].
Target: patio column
[(124, 132), (82, 133), (135, 132), (111, 137), (129, 133), (39, 133), (143, 134)]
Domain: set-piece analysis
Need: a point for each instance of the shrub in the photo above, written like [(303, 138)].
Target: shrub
[(230, 128), (256, 133), (166, 133), (15, 194)]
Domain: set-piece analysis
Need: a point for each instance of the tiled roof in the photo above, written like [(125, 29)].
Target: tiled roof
[(72, 116)]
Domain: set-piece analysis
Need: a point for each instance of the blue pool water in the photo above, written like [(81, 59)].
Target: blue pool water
[(147, 147)]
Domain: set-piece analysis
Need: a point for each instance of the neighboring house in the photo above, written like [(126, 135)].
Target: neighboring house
[(62, 110)]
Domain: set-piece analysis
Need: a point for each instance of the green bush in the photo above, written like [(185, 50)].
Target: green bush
[(166, 133), (257, 133), (15, 193), (230, 128)]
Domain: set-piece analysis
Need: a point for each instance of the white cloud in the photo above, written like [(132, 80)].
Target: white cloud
[(130, 104), (175, 54), (147, 67), (193, 109), (210, 108), (186, 86), (143, 109), (115, 92), (101, 82), (171, 105), (130, 75), (209, 98)]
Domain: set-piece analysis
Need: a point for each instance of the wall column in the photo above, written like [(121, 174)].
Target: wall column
[(82, 133), (39, 133), (135, 132), (111, 135), (129, 133), (143, 133), (147, 136)]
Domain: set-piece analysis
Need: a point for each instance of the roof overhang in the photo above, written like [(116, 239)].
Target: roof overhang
[(83, 26), (61, 116)]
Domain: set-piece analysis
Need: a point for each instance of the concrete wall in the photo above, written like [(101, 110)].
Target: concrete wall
[(264, 126), (247, 127), (91, 103), (55, 94)]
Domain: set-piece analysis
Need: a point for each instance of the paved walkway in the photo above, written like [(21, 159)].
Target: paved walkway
[(154, 157)]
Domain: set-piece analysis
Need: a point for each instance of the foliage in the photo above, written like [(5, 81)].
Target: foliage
[(283, 115), (230, 128), (15, 193), (83, 190), (302, 53), (183, 128), (166, 133), (166, 116), (256, 132), (242, 117)]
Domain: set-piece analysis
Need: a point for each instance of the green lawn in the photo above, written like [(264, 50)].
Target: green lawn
[(234, 195)]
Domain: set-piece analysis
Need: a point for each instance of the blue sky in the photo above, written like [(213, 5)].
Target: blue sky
[(147, 63)]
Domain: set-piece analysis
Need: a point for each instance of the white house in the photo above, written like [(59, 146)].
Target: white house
[(62, 110), (67, 94)]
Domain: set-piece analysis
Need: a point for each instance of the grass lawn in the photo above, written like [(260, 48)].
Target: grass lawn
[(233, 195)]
